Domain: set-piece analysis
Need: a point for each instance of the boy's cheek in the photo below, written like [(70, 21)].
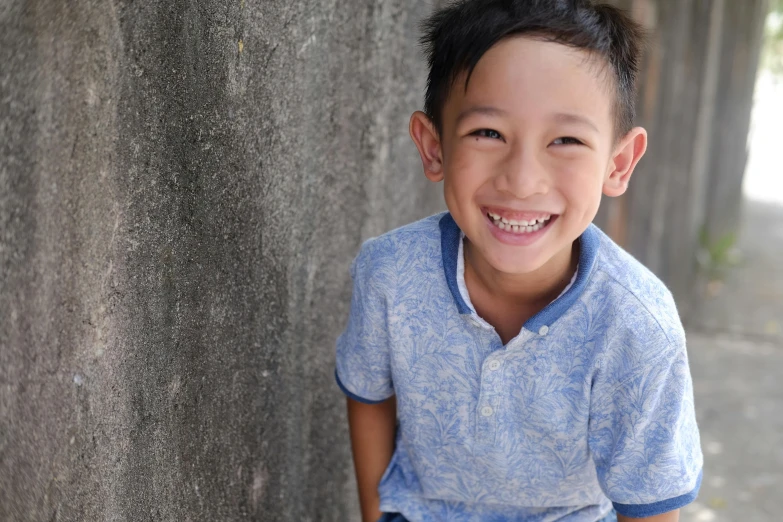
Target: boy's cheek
[(578, 176), (465, 159)]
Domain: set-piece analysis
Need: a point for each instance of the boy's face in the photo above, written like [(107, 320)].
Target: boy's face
[(526, 152)]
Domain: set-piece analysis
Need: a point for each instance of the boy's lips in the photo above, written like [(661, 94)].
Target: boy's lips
[(517, 215), (519, 232)]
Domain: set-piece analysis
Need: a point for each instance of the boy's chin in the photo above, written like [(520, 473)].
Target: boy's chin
[(514, 266)]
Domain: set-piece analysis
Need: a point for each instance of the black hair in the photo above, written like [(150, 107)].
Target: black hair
[(456, 36)]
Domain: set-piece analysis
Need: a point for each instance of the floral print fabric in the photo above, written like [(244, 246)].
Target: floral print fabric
[(590, 405)]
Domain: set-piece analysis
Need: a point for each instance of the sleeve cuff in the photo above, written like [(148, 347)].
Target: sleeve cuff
[(658, 508), (353, 396)]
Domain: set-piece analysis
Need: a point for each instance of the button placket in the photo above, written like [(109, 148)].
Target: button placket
[(486, 415), (487, 407)]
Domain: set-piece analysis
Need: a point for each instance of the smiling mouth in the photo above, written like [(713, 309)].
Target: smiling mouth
[(520, 226)]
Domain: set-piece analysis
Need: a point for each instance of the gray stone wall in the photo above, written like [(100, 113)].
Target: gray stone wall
[(182, 187)]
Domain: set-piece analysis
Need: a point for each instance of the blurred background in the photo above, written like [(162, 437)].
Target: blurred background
[(183, 185)]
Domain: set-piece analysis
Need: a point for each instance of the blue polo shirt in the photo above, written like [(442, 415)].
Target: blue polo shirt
[(590, 406)]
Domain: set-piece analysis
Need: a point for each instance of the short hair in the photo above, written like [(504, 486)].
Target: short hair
[(456, 36)]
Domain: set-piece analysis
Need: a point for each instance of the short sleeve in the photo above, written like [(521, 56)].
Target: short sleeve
[(363, 367), (644, 439)]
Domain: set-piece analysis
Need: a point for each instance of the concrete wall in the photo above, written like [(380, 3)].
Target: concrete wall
[(182, 187)]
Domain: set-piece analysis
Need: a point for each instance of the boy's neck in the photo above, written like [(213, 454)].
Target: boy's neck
[(509, 298)]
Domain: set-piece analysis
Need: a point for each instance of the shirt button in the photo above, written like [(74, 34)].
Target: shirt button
[(494, 365), (543, 330), (486, 411)]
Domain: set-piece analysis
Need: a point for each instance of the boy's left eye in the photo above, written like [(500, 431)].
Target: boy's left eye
[(567, 140), (487, 133)]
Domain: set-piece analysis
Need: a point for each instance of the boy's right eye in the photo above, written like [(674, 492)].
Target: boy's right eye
[(487, 133)]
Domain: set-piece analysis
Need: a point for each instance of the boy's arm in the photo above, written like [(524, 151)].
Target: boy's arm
[(671, 516), (372, 428)]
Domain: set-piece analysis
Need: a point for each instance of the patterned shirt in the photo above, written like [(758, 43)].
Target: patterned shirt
[(590, 406)]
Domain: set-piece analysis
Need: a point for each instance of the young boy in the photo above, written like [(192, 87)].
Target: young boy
[(506, 361)]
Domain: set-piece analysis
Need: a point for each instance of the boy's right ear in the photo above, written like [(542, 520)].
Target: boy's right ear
[(427, 141)]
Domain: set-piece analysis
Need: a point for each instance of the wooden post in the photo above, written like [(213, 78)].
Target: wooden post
[(695, 93), (740, 50)]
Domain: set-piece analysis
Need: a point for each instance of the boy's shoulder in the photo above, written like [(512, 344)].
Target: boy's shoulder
[(419, 240), (640, 300)]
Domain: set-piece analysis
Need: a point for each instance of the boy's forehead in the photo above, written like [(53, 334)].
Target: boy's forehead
[(535, 77)]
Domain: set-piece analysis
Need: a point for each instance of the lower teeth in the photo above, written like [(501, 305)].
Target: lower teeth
[(516, 229)]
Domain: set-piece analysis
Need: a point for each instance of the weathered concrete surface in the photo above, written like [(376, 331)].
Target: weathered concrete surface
[(182, 187), (735, 344), (738, 397)]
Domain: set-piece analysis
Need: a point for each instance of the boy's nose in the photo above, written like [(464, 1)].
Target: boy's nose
[(522, 175)]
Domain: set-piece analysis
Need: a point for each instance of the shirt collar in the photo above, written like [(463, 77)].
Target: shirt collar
[(451, 239)]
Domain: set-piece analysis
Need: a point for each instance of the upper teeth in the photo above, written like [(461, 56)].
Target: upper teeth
[(521, 222)]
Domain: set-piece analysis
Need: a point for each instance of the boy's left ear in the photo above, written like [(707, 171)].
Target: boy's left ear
[(626, 155)]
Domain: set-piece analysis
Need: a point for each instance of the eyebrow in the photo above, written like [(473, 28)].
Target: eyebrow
[(561, 117), (481, 109), (564, 117)]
